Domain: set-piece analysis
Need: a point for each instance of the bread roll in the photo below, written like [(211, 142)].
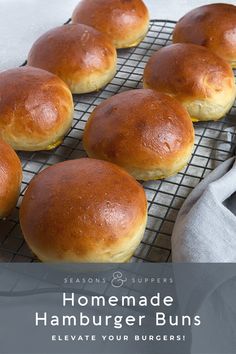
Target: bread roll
[(147, 133), (80, 55), (36, 109), (10, 179), (125, 22), (199, 79), (83, 211), (212, 26)]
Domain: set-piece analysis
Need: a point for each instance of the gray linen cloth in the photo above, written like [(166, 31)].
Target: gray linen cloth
[(205, 228)]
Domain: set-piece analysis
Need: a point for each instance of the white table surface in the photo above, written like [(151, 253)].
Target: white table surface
[(23, 21)]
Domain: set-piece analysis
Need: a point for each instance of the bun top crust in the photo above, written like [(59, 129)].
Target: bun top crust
[(212, 26), (82, 207), (121, 20), (139, 129), (71, 50), (34, 104), (188, 71), (10, 178)]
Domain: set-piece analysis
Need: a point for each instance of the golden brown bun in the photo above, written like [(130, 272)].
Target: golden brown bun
[(36, 109), (10, 179), (83, 211), (198, 78), (125, 22), (80, 55), (147, 133), (213, 26)]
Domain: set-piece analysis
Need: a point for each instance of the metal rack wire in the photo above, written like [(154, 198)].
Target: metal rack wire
[(215, 142)]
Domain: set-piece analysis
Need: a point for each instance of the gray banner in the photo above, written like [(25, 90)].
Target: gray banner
[(114, 309)]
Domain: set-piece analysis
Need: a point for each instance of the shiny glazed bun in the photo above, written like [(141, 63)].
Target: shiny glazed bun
[(213, 26), (198, 78), (125, 22), (147, 133), (83, 211), (36, 109), (80, 55), (10, 179)]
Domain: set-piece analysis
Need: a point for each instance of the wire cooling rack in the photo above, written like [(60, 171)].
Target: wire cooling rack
[(214, 143)]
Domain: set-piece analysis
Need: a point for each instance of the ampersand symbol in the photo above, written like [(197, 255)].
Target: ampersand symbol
[(117, 280)]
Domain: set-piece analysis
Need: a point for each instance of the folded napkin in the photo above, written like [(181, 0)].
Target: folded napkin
[(205, 228)]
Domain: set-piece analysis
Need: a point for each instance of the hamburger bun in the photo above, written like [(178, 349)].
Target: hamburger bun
[(125, 22), (36, 109), (10, 179), (83, 211), (212, 26), (195, 76), (80, 55), (151, 139)]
